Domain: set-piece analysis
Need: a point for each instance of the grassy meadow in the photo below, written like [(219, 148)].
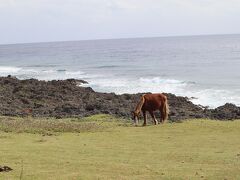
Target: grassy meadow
[(103, 147)]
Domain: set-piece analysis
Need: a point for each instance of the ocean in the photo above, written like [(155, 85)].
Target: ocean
[(203, 68)]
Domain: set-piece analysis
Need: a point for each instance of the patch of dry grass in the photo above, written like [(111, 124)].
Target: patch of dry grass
[(51, 126)]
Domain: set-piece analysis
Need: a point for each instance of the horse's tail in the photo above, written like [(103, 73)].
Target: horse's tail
[(165, 110), (140, 104)]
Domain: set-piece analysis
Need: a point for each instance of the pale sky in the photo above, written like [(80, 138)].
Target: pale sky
[(61, 20)]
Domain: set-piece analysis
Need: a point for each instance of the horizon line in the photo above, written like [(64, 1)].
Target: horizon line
[(123, 38)]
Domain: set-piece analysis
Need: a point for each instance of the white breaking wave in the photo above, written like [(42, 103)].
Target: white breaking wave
[(8, 70), (44, 74), (74, 73), (214, 97), (206, 97), (154, 85), (158, 80)]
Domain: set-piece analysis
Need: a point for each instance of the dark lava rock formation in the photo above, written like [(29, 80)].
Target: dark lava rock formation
[(64, 98), (5, 169)]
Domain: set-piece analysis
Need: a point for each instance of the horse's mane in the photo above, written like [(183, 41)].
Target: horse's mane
[(140, 104)]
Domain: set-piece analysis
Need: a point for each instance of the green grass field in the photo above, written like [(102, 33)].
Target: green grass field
[(102, 147)]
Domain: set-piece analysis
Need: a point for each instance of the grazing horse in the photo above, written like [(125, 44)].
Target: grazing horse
[(151, 103)]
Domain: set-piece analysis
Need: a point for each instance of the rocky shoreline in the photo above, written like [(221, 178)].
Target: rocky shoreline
[(64, 98)]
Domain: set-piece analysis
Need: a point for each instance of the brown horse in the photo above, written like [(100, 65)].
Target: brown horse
[(151, 103)]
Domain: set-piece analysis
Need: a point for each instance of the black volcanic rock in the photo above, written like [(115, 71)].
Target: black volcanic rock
[(5, 169), (228, 111), (65, 98)]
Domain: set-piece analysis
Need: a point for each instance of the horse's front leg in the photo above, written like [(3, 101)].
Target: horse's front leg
[(153, 117), (145, 118)]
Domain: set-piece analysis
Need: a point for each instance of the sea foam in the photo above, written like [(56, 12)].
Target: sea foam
[(9, 69)]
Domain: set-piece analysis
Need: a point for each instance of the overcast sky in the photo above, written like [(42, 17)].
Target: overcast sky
[(60, 20)]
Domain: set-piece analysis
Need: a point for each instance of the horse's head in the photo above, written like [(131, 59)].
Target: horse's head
[(135, 116)]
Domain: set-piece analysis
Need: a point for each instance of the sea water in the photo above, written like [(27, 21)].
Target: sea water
[(206, 68)]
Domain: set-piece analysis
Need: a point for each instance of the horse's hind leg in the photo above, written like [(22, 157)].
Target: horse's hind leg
[(145, 118), (154, 118)]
